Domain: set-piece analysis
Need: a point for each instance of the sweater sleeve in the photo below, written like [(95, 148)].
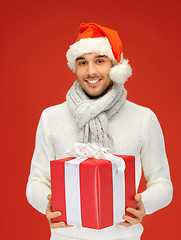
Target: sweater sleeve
[(159, 191), (39, 186)]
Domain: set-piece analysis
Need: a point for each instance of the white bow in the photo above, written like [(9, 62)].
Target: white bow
[(94, 150)]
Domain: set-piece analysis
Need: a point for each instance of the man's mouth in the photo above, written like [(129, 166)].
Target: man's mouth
[(93, 82)]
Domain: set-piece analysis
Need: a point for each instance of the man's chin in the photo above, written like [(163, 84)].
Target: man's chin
[(96, 94), (92, 96)]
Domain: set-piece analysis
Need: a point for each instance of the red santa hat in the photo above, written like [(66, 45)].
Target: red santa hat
[(105, 41)]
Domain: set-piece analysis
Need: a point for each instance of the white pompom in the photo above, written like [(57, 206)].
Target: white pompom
[(121, 72)]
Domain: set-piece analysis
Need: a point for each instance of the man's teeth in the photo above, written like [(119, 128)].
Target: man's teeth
[(93, 81)]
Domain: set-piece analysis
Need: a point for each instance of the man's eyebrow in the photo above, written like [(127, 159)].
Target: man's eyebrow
[(100, 56), (79, 58)]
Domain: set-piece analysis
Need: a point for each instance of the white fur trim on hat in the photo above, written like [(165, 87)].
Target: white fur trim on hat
[(88, 45)]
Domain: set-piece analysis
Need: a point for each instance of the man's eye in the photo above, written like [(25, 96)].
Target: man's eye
[(82, 63), (100, 61)]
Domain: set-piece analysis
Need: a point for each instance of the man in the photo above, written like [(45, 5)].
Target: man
[(96, 111)]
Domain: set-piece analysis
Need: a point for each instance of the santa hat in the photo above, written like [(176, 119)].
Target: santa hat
[(105, 41)]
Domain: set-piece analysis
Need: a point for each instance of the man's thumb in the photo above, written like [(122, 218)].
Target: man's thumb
[(138, 197)]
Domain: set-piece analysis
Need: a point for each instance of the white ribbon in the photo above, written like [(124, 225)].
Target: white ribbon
[(81, 152)]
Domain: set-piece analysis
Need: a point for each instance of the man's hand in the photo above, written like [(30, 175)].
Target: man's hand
[(139, 213), (50, 215)]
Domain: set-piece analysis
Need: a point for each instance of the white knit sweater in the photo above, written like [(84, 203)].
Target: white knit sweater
[(135, 131)]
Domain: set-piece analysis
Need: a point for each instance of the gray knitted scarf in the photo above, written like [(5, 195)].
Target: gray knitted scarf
[(92, 115)]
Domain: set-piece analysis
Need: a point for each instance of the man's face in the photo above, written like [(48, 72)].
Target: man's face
[(92, 72)]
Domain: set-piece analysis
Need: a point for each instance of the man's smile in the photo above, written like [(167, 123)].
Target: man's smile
[(94, 81)]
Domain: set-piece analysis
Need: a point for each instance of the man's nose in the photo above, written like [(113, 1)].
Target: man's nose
[(91, 69)]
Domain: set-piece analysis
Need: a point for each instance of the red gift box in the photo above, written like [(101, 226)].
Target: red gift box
[(90, 195)]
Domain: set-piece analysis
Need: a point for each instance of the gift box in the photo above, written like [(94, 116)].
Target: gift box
[(92, 192)]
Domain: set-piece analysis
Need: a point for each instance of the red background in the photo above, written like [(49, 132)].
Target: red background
[(35, 36)]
